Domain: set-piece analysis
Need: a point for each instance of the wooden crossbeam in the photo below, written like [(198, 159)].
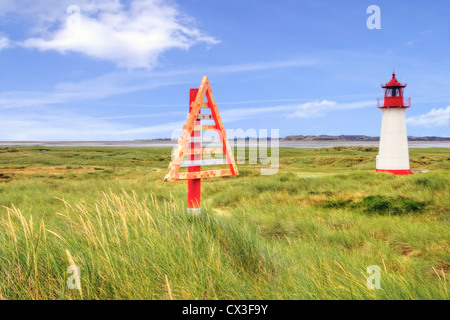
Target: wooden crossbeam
[(209, 128), (203, 128), (203, 174), (205, 117), (206, 151)]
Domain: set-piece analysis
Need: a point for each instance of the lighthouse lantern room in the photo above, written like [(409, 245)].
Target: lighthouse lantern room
[(393, 155)]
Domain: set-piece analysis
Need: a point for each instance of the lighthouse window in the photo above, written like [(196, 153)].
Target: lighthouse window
[(392, 92)]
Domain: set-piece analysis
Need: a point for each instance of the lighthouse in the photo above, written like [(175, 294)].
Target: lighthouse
[(393, 155)]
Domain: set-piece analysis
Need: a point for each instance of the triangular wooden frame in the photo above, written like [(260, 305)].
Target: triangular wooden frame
[(197, 104)]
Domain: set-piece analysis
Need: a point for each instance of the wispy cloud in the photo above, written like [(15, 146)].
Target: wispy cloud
[(437, 117), (305, 110), (123, 82), (17, 99), (237, 114), (64, 126), (256, 66), (262, 101), (50, 124), (132, 36)]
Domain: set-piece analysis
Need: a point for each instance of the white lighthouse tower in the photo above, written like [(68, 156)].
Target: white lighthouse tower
[(393, 155)]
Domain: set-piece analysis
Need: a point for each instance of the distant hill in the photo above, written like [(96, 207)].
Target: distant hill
[(324, 137), (355, 138)]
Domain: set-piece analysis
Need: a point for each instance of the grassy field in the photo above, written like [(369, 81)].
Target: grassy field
[(309, 232)]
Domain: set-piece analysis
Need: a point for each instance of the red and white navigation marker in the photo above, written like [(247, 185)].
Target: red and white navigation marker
[(190, 145)]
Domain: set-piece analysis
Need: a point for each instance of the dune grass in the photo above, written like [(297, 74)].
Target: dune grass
[(308, 232)]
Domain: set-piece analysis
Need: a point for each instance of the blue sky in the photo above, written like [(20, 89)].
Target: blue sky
[(123, 71)]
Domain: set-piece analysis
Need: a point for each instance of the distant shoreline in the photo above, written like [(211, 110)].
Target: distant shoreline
[(169, 143), (356, 138)]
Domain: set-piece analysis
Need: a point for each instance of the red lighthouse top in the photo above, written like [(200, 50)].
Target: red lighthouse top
[(393, 95)]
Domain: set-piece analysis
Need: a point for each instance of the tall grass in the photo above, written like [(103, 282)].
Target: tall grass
[(129, 248), (308, 232)]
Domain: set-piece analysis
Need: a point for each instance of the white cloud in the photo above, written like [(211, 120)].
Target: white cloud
[(4, 42), (435, 118), (132, 36), (312, 109), (321, 108)]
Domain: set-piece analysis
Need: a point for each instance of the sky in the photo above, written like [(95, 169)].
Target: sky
[(121, 70)]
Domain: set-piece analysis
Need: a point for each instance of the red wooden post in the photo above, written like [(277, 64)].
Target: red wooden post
[(194, 185)]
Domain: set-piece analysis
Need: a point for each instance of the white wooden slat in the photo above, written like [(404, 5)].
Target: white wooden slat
[(205, 139), (207, 162)]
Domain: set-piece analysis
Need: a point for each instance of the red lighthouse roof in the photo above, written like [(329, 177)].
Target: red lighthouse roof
[(393, 83), (393, 95)]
